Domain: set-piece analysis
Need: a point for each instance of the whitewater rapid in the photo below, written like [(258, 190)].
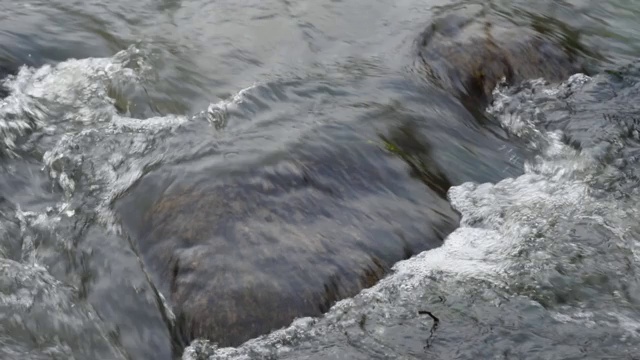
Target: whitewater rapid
[(543, 264)]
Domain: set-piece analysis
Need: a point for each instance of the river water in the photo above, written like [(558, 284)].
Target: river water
[(181, 174)]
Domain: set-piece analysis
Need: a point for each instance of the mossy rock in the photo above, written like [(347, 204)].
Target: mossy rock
[(242, 252), (469, 52)]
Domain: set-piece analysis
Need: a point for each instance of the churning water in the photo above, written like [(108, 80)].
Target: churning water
[(181, 174)]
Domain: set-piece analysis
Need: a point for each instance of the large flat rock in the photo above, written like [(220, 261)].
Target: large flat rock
[(242, 250)]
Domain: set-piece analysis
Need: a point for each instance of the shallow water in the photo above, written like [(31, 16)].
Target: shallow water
[(316, 149)]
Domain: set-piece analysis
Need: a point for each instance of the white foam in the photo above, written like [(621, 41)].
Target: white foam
[(72, 102), (71, 91), (218, 113)]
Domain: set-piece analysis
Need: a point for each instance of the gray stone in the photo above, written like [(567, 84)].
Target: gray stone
[(239, 253)]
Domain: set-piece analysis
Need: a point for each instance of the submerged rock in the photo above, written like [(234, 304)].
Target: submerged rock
[(469, 52), (239, 253)]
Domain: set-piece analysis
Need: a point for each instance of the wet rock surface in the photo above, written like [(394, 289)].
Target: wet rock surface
[(469, 51), (240, 253)]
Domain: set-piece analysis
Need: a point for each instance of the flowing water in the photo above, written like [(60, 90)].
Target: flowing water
[(180, 174)]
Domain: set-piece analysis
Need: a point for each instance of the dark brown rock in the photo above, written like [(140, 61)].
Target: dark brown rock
[(470, 51), (239, 253)]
